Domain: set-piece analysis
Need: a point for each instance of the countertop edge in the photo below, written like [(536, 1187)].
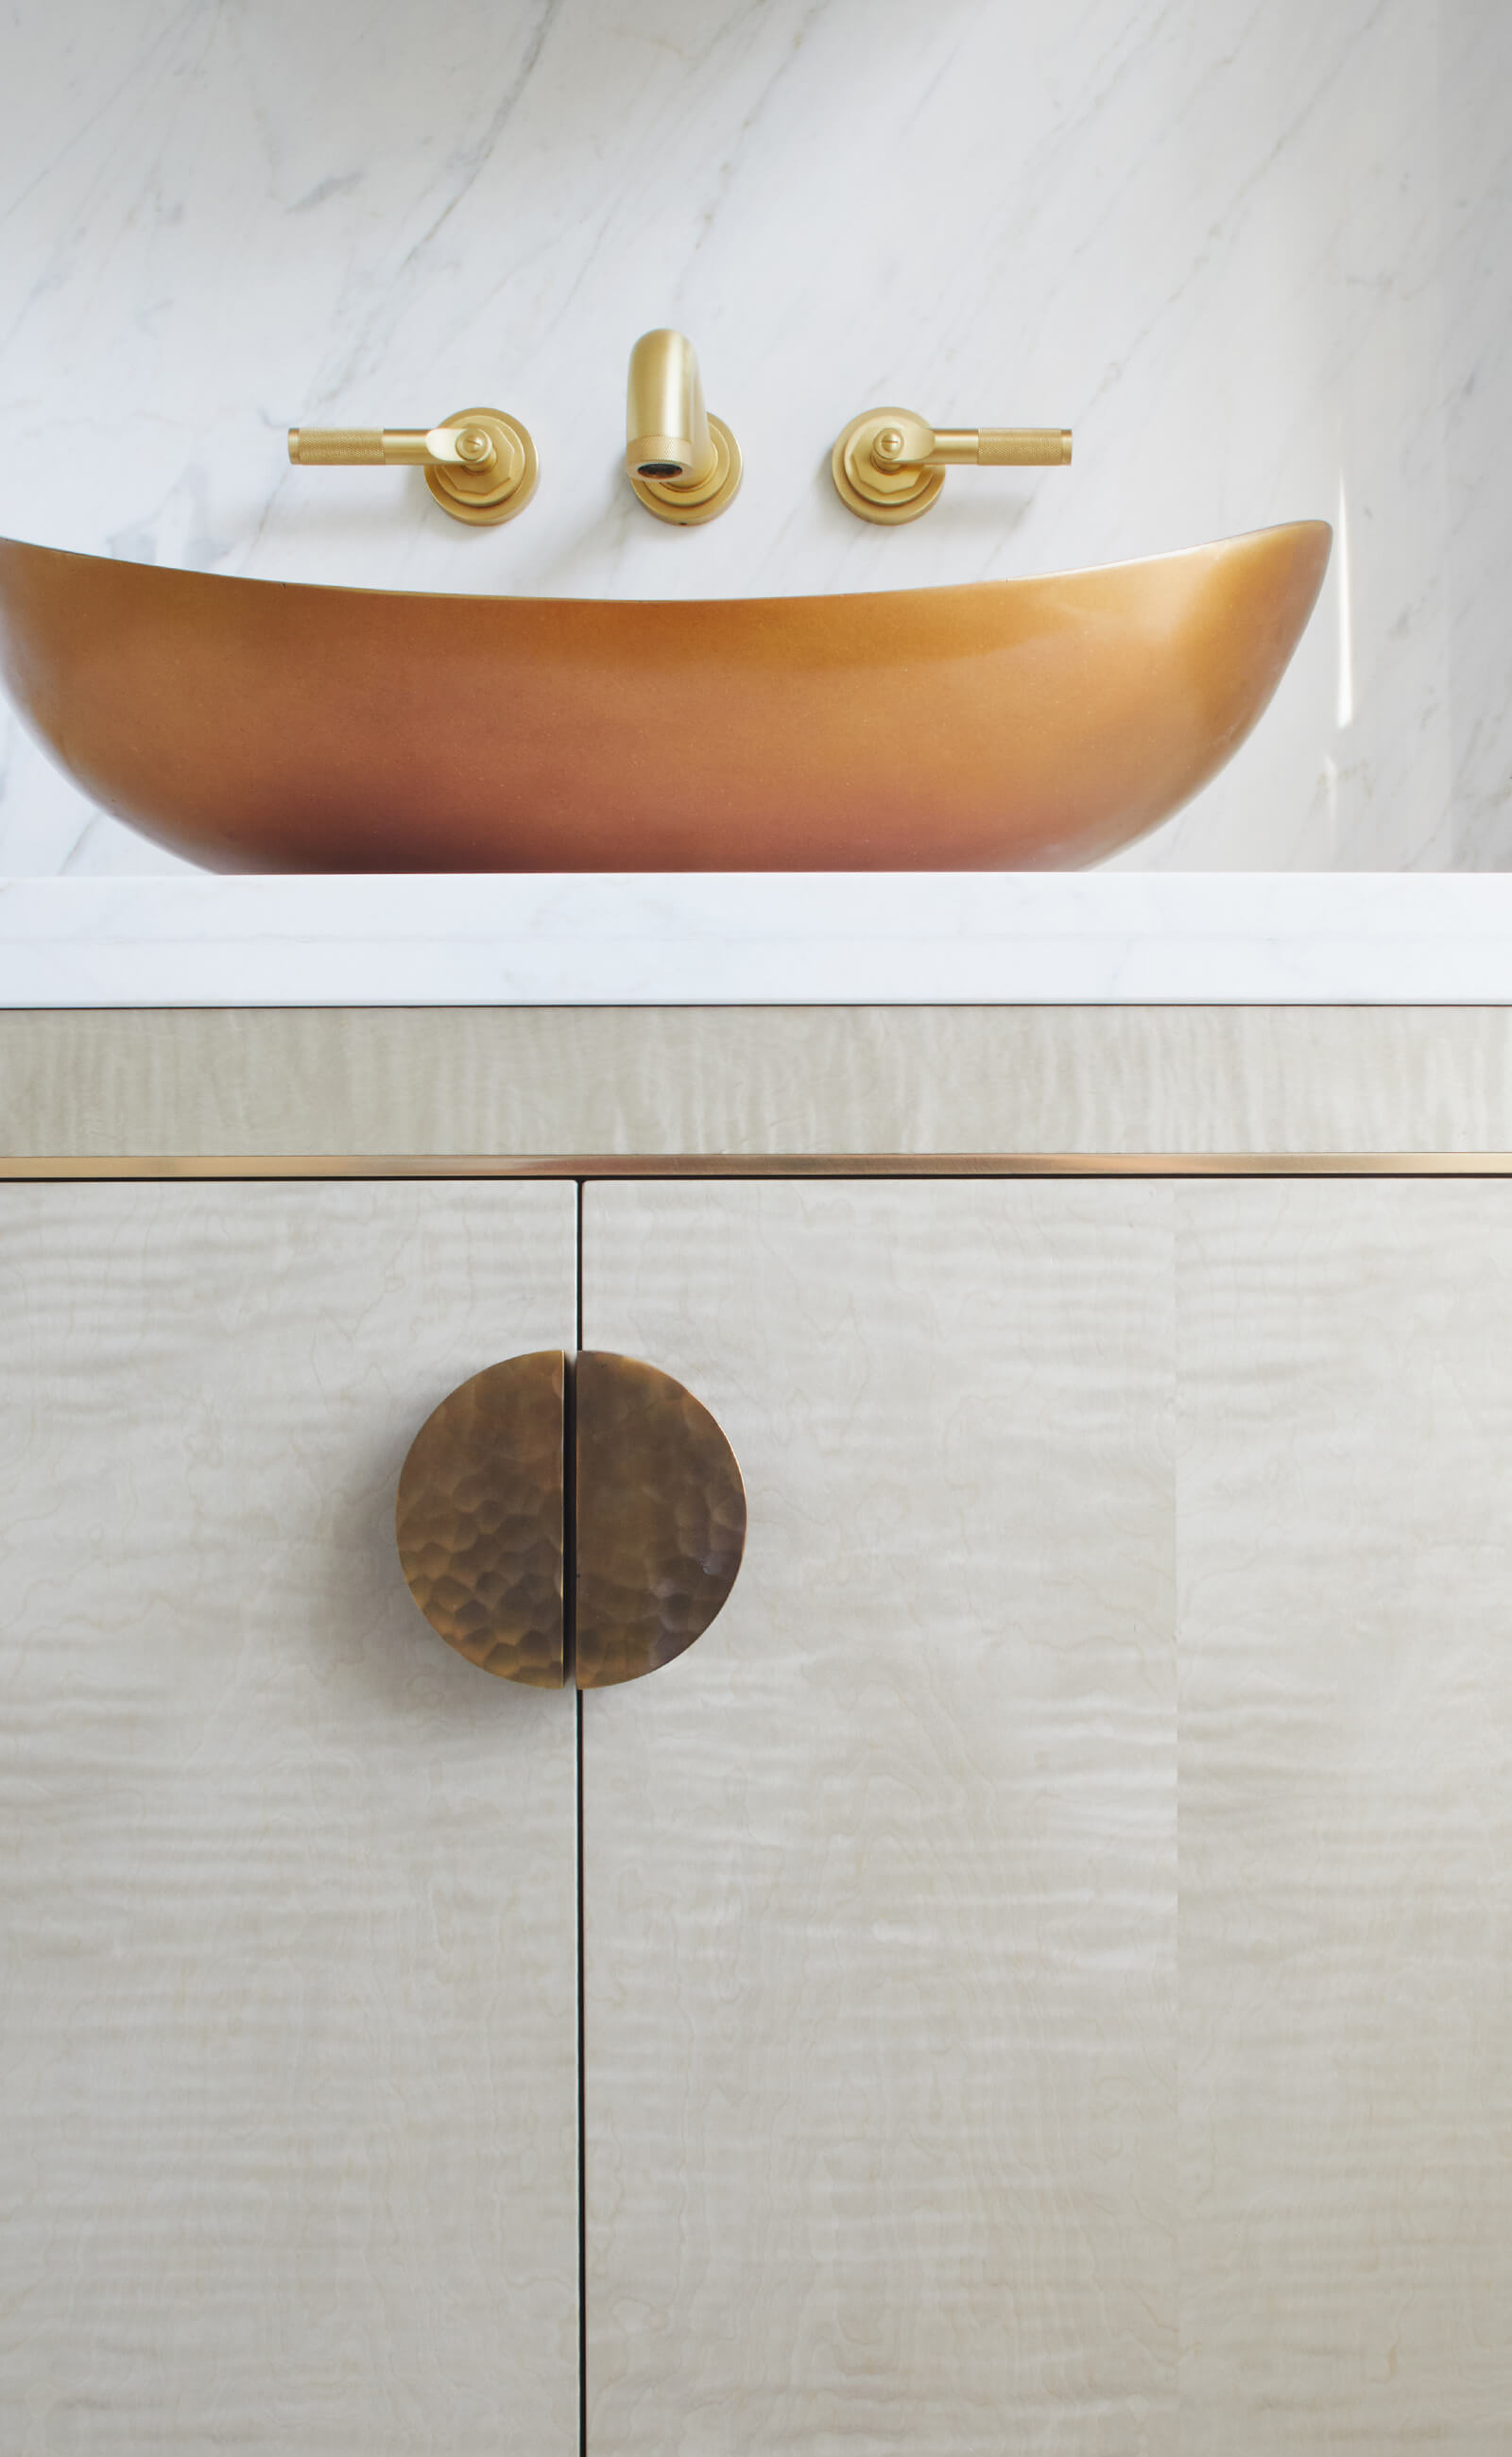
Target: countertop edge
[(758, 939)]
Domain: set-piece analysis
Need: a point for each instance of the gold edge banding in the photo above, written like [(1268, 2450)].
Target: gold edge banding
[(16, 1167)]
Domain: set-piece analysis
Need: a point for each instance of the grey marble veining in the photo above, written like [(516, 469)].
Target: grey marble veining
[(1250, 256)]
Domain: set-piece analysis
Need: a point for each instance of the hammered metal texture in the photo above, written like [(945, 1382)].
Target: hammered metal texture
[(661, 1519), (479, 1518)]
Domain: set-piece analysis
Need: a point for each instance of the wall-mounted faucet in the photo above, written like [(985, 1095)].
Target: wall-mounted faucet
[(480, 466), (683, 464), (889, 464)]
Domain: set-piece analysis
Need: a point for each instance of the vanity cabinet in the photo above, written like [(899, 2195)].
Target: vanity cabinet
[(1044, 1951)]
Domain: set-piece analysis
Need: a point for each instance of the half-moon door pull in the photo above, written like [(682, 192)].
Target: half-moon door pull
[(659, 1520)]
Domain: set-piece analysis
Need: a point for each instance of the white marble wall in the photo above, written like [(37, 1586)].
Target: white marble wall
[(1250, 255)]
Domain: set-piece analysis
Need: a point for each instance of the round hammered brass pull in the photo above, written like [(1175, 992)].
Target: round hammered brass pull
[(659, 1519), (479, 1518)]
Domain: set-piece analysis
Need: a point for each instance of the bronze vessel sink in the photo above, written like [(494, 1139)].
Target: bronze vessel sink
[(1016, 724)]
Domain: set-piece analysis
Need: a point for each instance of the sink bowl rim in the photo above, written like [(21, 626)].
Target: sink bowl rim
[(649, 605)]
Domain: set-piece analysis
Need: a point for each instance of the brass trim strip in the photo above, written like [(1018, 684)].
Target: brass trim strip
[(31, 1168)]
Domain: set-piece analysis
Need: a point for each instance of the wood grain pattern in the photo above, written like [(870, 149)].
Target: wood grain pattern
[(756, 1079), (289, 2100), (1345, 1506), (893, 2125), (936, 2100), (881, 1876)]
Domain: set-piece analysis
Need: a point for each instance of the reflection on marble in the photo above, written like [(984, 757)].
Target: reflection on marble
[(1226, 245), (1476, 376)]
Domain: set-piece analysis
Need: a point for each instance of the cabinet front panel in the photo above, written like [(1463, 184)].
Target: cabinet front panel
[(879, 1877), (1345, 1516), (290, 2096)]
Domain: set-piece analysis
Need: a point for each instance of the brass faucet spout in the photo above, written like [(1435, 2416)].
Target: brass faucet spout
[(665, 424), (684, 465)]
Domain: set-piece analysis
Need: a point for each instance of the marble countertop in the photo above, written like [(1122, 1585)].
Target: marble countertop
[(1032, 938)]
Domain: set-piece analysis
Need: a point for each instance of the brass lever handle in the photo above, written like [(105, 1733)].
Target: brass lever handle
[(889, 464), (480, 466), (469, 447)]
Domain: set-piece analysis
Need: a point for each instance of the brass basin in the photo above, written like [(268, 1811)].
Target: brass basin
[(1008, 724)]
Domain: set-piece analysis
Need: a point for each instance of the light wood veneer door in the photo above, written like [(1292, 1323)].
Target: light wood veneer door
[(879, 1878), (1344, 1499), (290, 2025)]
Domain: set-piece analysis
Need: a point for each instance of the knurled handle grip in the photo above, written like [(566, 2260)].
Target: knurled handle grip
[(1024, 447), (314, 447)]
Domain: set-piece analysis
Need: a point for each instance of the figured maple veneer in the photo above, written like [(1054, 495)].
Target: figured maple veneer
[(254, 725), (1344, 1499), (935, 2098), (880, 1879), (756, 1081), (290, 2105)]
